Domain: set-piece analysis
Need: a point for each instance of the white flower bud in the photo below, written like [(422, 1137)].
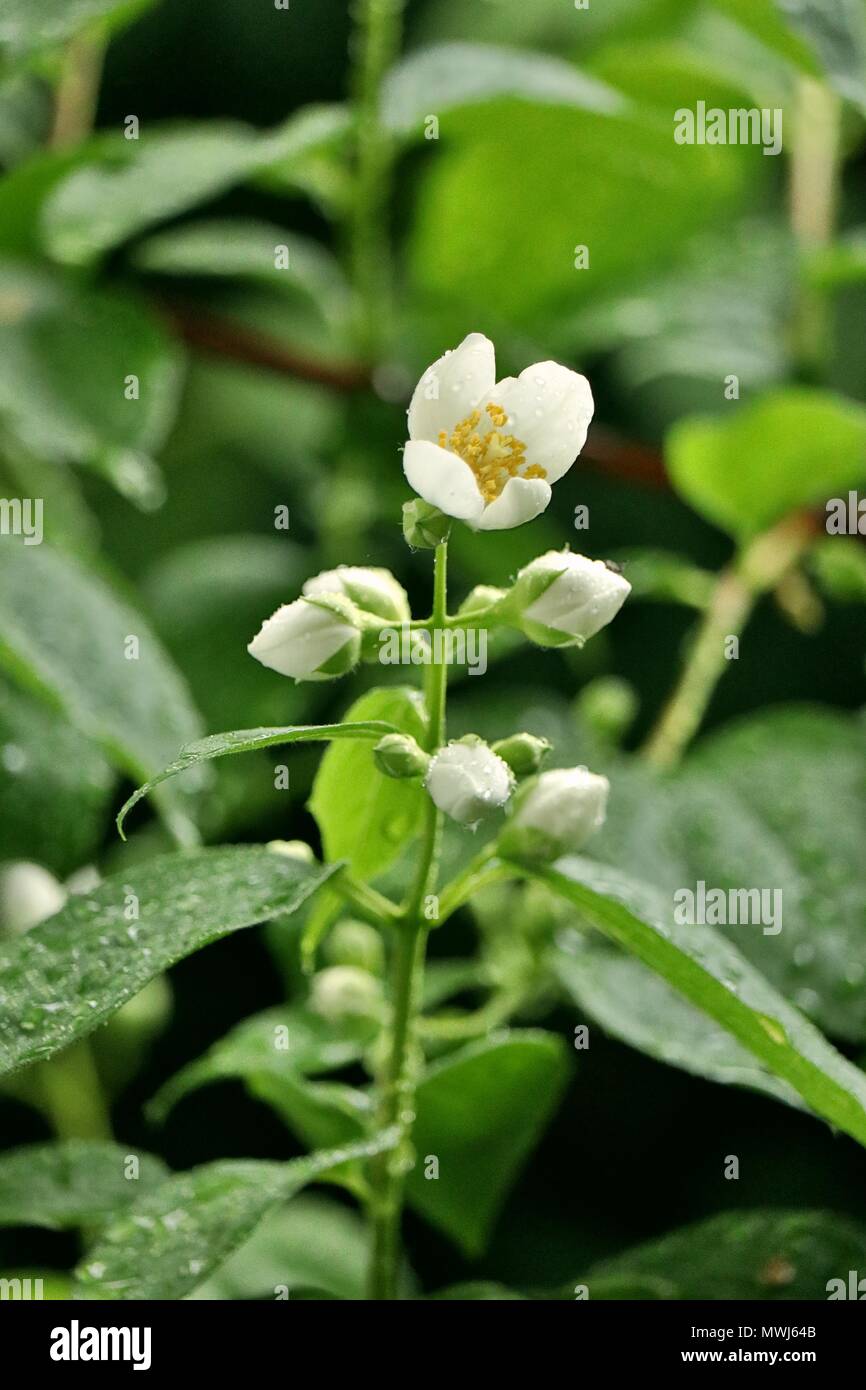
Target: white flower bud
[(28, 894), (310, 639), (355, 943), (563, 599), (293, 849), (345, 991), (468, 781), (555, 814), (373, 590)]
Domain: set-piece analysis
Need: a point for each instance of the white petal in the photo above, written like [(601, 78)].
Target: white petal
[(522, 499), (450, 389), (443, 480), (549, 408), (299, 638)]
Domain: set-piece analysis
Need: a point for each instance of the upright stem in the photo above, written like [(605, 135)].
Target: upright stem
[(77, 90), (813, 198), (398, 1083), (378, 42), (71, 1094), (758, 568)]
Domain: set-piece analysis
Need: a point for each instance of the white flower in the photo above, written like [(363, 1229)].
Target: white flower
[(563, 599), (468, 781), (372, 589), (555, 814), (343, 991), (487, 452), (310, 639), (28, 894)]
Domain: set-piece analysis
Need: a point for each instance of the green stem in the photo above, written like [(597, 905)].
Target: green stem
[(71, 1094), (378, 43), (758, 568), (77, 90), (371, 905), (813, 198), (398, 1083)]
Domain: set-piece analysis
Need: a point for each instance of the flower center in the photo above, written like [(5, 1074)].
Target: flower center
[(493, 456)]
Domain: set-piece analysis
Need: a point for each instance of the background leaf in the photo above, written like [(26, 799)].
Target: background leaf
[(69, 974), (74, 1183), (481, 1111)]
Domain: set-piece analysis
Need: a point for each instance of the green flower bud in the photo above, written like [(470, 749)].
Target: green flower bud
[(424, 526), (524, 753), (345, 991), (607, 706), (398, 755), (355, 943)]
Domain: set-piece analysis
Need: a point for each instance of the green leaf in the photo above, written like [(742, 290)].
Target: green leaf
[(26, 28), (246, 250), (69, 974), (320, 1113), (839, 565), (65, 634), (57, 786), (173, 1238), (451, 75), (641, 1009), (764, 459), (712, 974), (291, 1039), (312, 1245), (247, 740), (66, 354), (364, 816), (817, 35), (752, 1255), (74, 1183), (99, 204), (480, 1112), (634, 198)]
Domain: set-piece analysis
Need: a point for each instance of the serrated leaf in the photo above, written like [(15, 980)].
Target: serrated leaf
[(480, 1111), (64, 633), (74, 1183), (451, 75), (711, 973), (248, 740), (56, 786), (66, 353), (176, 1235), (69, 974), (748, 469), (364, 816), (753, 1255)]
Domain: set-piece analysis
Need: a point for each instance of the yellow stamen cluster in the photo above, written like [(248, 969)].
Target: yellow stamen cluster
[(493, 456)]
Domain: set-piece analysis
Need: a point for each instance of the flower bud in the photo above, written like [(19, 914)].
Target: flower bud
[(524, 753), (607, 706), (399, 755), (357, 944), (345, 991), (424, 526), (310, 639), (374, 591), (482, 599), (28, 894), (293, 849), (554, 814), (468, 781), (563, 599)]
